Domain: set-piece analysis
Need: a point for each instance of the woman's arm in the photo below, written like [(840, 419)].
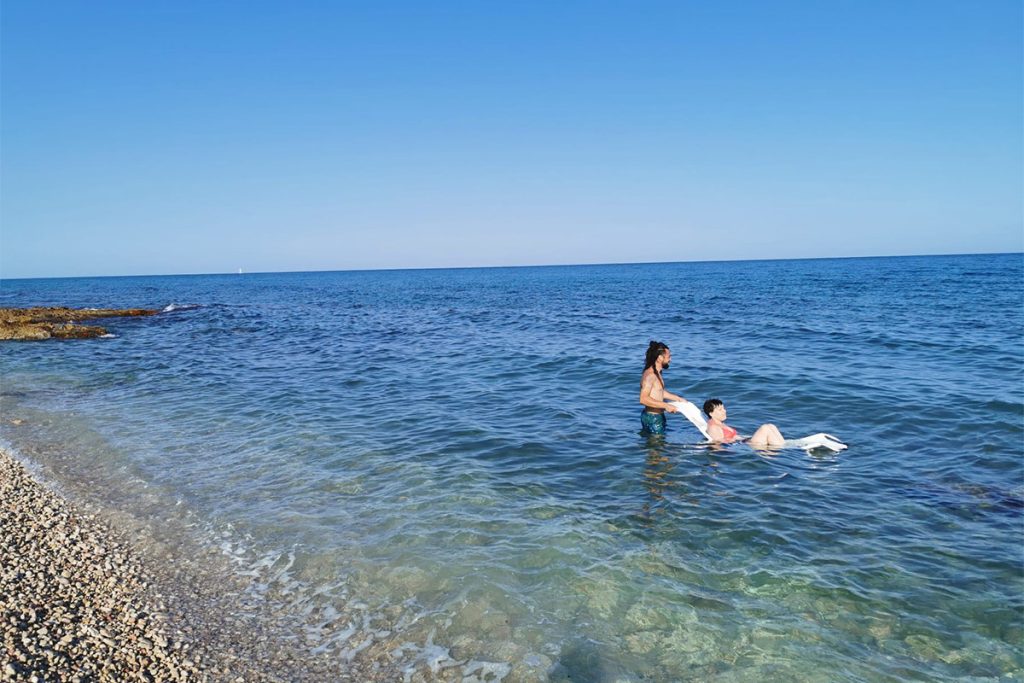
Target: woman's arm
[(715, 432)]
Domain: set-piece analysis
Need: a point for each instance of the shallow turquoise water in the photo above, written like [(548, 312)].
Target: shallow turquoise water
[(456, 453)]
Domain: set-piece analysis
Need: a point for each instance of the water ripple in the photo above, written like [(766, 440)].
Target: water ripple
[(452, 458)]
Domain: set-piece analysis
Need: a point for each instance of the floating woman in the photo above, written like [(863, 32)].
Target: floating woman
[(767, 435)]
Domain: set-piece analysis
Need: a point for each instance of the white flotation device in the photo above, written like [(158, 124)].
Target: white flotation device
[(693, 414), (819, 440)]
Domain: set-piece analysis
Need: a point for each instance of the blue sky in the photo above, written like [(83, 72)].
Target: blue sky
[(184, 137)]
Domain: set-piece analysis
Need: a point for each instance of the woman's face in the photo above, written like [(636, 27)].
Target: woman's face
[(719, 413)]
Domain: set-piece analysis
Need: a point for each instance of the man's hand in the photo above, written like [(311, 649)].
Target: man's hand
[(669, 408)]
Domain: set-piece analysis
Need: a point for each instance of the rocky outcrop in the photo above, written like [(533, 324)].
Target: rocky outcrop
[(58, 322)]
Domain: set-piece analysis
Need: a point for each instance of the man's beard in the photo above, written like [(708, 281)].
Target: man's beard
[(665, 366)]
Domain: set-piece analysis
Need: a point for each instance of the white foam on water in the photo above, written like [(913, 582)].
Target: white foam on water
[(349, 654), (433, 656), (180, 307), (335, 620), (108, 336), (485, 672), (336, 638)]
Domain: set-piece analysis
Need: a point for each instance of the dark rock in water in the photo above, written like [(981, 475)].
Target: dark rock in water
[(970, 497), (58, 322)]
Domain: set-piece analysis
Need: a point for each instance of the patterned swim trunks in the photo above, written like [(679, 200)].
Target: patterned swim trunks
[(652, 423)]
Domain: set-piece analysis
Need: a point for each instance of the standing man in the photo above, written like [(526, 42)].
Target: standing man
[(653, 393)]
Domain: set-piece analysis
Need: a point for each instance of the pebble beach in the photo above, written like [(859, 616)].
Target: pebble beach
[(81, 601)]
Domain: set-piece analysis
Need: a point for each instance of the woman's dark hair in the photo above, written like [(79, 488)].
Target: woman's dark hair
[(653, 351), (710, 405)]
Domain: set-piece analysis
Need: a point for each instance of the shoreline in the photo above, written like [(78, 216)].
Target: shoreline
[(85, 597)]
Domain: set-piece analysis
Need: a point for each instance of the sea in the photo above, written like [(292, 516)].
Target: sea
[(450, 461)]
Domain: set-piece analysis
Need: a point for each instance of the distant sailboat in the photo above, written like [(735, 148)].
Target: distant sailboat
[(239, 271)]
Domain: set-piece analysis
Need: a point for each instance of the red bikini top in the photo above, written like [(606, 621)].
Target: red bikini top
[(728, 433)]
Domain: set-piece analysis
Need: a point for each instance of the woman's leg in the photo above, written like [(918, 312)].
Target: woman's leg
[(767, 435)]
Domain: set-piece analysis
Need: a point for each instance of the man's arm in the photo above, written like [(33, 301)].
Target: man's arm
[(648, 400), (674, 397)]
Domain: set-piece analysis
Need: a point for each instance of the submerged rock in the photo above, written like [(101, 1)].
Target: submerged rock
[(59, 322)]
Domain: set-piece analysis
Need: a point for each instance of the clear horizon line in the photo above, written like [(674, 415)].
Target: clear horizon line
[(522, 265)]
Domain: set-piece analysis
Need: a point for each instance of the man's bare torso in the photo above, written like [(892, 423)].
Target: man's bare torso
[(657, 387)]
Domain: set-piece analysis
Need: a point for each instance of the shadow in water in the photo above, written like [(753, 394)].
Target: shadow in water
[(667, 470), (580, 661)]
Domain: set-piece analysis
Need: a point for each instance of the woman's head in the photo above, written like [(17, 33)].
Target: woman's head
[(657, 350), (711, 405)]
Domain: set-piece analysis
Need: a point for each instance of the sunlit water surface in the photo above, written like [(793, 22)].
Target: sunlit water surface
[(455, 454)]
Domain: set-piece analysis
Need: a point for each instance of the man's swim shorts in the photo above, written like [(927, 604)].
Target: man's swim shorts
[(652, 423)]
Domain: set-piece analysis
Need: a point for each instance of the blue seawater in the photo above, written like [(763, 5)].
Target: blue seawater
[(456, 454)]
